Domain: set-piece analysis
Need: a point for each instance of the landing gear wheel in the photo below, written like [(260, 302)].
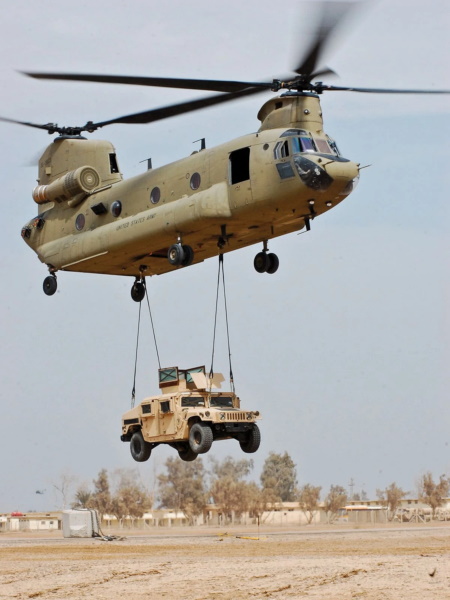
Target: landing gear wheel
[(261, 262), (274, 263), (200, 438), (139, 448), (186, 453), (252, 440), (50, 285), (138, 290), (175, 255), (188, 256)]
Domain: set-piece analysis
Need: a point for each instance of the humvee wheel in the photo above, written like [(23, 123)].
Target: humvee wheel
[(200, 438), (186, 453), (252, 440), (139, 448)]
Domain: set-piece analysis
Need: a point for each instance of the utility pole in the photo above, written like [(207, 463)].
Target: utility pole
[(351, 485)]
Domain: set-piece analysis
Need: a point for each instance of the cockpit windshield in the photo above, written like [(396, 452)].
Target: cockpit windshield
[(222, 401), (304, 141), (303, 144)]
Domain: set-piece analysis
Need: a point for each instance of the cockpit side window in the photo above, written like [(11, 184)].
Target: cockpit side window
[(281, 150), (334, 147)]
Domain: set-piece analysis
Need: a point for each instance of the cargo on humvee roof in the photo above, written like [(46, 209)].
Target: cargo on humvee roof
[(189, 415)]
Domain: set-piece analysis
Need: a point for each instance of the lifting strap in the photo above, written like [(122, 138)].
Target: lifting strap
[(211, 372), (133, 392)]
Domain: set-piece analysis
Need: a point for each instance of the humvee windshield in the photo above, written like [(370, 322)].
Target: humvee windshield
[(192, 401), (221, 401)]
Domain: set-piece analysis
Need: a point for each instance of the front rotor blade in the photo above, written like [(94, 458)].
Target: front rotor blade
[(332, 14), (212, 85), (321, 73), (334, 88), (165, 112)]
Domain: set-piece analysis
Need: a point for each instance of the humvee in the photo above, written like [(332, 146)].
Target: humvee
[(189, 415)]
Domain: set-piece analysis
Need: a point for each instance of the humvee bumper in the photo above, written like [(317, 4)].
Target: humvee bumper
[(231, 428)]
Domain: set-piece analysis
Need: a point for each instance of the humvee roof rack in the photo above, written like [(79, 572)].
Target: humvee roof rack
[(172, 375), (194, 378)]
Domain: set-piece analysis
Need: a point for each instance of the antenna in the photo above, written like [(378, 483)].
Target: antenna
[(203, 143), (149, 163)]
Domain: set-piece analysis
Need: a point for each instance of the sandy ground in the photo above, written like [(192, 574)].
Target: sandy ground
[(334, 563)]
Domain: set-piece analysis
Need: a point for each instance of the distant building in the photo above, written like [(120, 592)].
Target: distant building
[(33, 521), (409, 510), (278, 513)]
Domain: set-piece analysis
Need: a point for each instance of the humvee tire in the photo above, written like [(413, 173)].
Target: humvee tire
[(139, 448), (186, 453), (200, 438), (252, 440)]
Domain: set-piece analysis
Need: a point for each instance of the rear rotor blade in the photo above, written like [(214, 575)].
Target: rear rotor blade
[(50, 127), (173, 110), (213, 85), (148, 116)]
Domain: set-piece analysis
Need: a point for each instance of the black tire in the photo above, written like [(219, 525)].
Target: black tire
[(261, 262), (175, 255), (200, 438), (139, 448), (188, 256), (50, 285), (138, 291), (274, 263), (186, 453), (252, 440)]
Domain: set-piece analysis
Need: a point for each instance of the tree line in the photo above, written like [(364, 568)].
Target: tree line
[(189, 487)]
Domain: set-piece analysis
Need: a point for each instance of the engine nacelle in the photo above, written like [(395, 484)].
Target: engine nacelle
[(73, 187)]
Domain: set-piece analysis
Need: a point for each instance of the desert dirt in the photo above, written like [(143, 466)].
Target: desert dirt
[(329, 563)]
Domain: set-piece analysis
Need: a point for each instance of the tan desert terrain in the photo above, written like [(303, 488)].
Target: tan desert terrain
[(328, 563)]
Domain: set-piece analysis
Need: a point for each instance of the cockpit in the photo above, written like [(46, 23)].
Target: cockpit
[(298, 144)]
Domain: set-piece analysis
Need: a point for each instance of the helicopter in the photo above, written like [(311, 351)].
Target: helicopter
[(246, 191)]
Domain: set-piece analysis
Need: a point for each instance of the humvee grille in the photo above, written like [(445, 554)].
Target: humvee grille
[(235, 416)]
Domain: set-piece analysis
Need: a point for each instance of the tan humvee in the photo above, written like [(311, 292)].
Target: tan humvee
[(189, 415)]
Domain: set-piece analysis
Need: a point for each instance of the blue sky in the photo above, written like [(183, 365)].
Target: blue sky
[(344, 351)]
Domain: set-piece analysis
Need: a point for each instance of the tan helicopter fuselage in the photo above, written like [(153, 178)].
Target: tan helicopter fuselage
[(246, 191)]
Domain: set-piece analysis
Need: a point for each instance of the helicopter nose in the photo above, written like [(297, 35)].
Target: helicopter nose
[(345, 174), (341, 169), (321, 173)]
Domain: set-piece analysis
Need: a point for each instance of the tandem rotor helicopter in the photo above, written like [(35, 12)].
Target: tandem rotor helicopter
[(246, 191)]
